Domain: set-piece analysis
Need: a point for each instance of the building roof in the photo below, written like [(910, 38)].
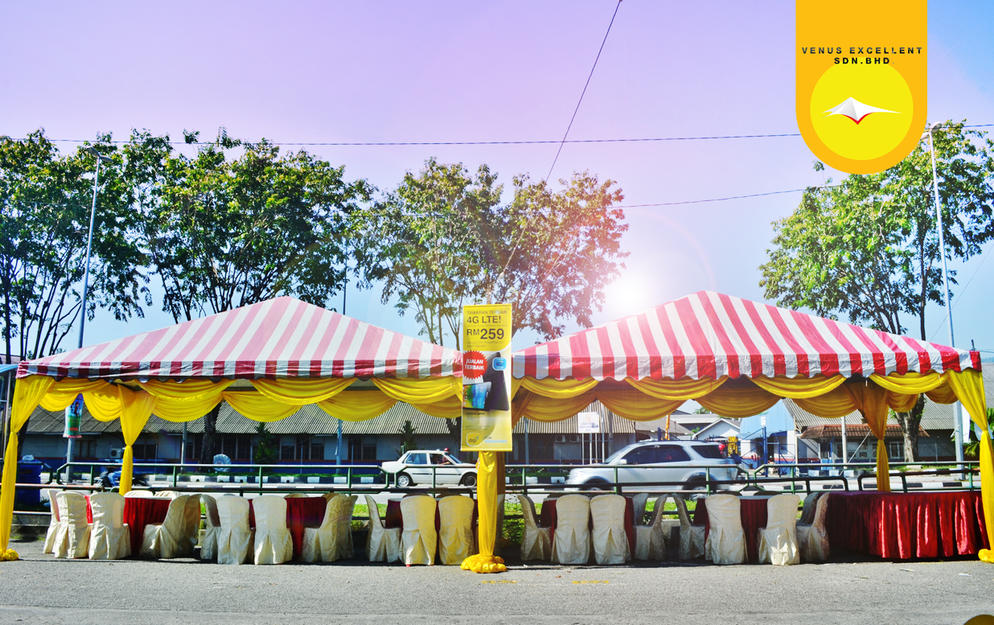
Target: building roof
[(854, 431)]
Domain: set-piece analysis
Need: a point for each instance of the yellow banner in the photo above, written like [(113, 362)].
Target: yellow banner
[(861, 80), (486, 408)]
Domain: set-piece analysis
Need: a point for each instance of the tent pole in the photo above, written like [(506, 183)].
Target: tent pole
[(527, 454), (845, 447)]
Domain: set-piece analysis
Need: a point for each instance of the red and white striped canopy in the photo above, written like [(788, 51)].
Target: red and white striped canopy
[(282, 337), (709, 335)]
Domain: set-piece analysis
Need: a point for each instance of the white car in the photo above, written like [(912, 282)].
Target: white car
[(418, 465), (674, 462)]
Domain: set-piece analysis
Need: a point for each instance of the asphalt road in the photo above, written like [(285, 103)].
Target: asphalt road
[(40, 589)]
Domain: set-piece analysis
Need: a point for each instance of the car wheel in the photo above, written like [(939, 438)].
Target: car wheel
[(468, 480), (597, 485), (403, 480)]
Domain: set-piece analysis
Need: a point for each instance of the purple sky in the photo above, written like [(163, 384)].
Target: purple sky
[(468, 71)]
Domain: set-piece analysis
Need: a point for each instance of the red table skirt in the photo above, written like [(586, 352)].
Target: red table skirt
[(906, 525), (142, 511), (301, 512), (752, 511), (547, 518)]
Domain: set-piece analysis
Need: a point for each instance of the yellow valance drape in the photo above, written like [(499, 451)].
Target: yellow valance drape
[(357, 405), (682, 389), (302, 391)]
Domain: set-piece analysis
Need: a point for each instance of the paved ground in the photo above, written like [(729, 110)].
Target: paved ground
[(39, 589)]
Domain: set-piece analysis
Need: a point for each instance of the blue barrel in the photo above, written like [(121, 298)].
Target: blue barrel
[(28, 472)]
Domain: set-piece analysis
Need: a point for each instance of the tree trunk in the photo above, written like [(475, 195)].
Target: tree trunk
[(208, 442), (910, 423)]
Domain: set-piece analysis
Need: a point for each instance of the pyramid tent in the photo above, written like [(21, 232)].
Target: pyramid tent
[(266, 360), (737, 358)]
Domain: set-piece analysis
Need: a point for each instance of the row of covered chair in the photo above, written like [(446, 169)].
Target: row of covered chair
[(229, 539), (783, 541), (573, 540), (418, 541)]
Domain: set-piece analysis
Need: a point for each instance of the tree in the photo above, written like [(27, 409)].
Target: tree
[(224, 232), (46, 199), (867, 248), (444, 237), (407, 432), (265, 451)]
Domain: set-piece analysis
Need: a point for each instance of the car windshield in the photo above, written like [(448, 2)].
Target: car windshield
[(618, 454), (453, 459)]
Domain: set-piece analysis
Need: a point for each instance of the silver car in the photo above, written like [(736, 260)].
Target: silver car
[(685, 464)]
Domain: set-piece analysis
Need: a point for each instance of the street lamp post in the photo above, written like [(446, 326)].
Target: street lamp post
[(958, 410), (86, 275)]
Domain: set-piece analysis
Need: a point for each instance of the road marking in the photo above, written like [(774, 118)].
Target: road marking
[(590, 581), (499, 581)]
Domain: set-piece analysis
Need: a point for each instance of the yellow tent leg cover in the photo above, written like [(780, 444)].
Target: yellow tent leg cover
[(487, 479), (7, 498)]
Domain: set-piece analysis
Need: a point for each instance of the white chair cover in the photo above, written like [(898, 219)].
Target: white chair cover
[(455, 532), (382, 543), (319, 542), (813, 538), (778, 540), (536, 541), (177, 535), (110, 538), (212, 526), (273, 543), (234, 537), (650, 540), (73, 537), (419, 538), (638, 507), (343, 526), (333, 539), (571, 544), (691, 536), (609, 538), (53, 524), (726, 540)]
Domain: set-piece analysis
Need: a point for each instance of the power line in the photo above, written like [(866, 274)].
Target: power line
[(413, 143), (351, 144), (582, 93), (724, 199)]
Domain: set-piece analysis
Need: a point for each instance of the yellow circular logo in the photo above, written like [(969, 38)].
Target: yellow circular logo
[(861, 111)]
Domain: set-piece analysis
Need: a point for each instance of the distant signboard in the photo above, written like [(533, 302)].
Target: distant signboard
[(588, 423)]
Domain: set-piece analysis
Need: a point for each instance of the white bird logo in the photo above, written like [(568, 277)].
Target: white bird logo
[(855, 110)]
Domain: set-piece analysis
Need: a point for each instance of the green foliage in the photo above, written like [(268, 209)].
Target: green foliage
[(971, 449), (45, 205), (868, 248), (444, 237), (407, 432), (225, 232), (265, 451)]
